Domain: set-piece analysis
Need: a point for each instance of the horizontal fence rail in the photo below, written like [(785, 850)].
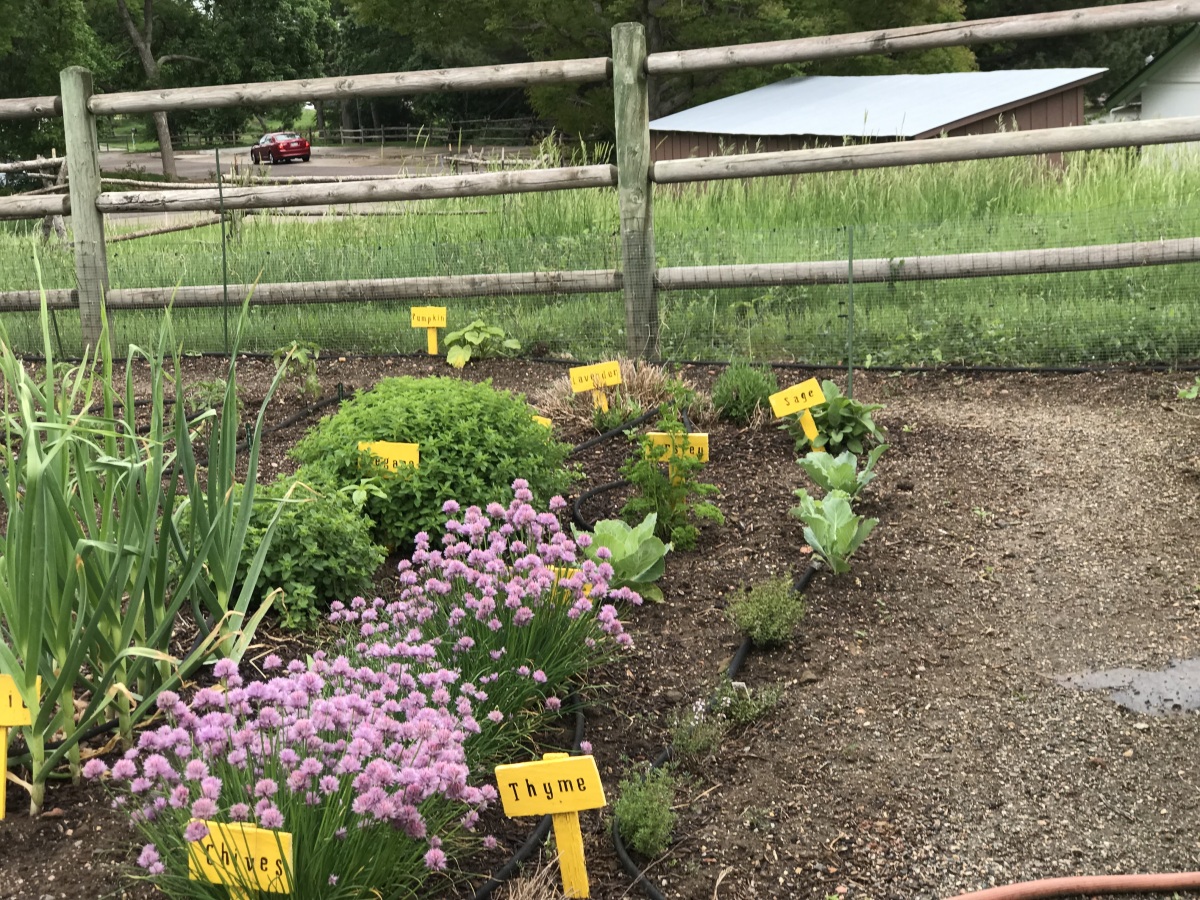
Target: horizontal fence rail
[(637, 277), (394, 84), (937, 150), (672, 278), (926, 37)]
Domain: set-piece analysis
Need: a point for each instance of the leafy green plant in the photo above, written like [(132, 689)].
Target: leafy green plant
[(742, 390), (840, 473), (204, 395), (832, 528), (696, 732), (770, 613), (621, 409), (322, 550), (89, 594), (674, 497), (645, 810), (842, 424), (478, 341), (742, 705), (474, 442), (299, 363), (1191, 392), (638, 556)]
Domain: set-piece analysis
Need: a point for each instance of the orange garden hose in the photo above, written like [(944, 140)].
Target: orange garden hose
[(1088, 884)]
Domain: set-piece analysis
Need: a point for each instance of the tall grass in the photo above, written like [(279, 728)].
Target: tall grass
[(1008, 204)]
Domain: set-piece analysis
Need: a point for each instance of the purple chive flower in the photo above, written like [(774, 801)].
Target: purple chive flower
[(149, 858), (585, 747), (271, 818), (553, 704), (239, 812), (435, 859), (195, 831), (94, 768)]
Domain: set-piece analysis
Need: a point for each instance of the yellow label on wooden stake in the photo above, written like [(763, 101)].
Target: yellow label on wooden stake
[(428, 316), (13, 711), (694, 445), (542, 420), (393, 454), (551, 785), (595, 377), (244, 857), (796, 398), (809, 424), (561, 785)]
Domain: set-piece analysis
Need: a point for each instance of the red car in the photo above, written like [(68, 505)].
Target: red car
[(279, 146)]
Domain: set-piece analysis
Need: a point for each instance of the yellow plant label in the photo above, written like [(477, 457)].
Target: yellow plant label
[(245, 857), (694, 445), (809, 424), (550, 786), (798, 397), (13, 711), (595, 377), (393, 454), (542, 420), (428, 316), (563, 595)]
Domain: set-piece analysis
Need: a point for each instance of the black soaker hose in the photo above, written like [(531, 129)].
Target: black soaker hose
[(614, 432), (535, 839), (735, 665)]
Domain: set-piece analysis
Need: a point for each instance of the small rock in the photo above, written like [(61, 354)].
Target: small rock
[(808, 676)]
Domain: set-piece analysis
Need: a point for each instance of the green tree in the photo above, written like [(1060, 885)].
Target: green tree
[(476, 32), (39, 38), (1123, 53)]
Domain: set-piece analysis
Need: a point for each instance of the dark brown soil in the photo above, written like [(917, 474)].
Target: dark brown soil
[(1031, 527)]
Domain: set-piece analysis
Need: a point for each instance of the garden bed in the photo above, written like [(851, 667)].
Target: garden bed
[(1031, 527)]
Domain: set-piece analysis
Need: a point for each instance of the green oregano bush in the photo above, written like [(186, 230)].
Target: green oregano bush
[(322, 550), (475, 441), (742, 389)]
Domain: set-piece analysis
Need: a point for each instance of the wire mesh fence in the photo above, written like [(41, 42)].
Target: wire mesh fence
[(897, 311)]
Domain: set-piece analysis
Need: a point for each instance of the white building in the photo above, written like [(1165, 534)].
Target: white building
[(1167, 87)]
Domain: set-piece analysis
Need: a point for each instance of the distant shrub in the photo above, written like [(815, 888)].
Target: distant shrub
[(741, 390), (474, 442), (322, 550)]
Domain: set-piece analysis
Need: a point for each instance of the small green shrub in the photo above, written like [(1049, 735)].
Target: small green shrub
[(741, 705), (475, 441), (675, 497), (200, 396), (299, 362), (741, 390), (478, 341), (842, 424), (770, 613), (322, 550), (645, 810), (621, 409), (696, 732)]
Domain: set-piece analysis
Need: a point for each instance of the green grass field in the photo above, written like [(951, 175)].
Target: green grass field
[(1135, 315)]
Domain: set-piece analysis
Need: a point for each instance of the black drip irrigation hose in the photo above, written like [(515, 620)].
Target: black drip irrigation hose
[(614, 432), (536, 838), (577, 515), (735, 665)]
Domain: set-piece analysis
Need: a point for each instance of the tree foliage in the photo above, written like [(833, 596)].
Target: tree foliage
[(478, 32), (1123, 53)]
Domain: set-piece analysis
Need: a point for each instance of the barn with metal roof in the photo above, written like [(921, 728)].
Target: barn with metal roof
[(820, 110)]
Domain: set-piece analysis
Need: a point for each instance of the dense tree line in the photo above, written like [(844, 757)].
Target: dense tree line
[(171, 43)]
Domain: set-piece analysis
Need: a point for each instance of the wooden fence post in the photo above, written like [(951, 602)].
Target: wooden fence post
[(634, 191), (87, 222)]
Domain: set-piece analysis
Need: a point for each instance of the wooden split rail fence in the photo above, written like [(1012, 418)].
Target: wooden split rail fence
[(633, 176)]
